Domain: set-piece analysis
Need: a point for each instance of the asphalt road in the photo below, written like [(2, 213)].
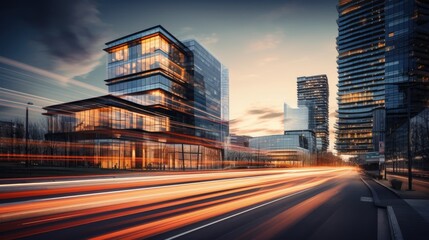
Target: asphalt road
[(307, 203)]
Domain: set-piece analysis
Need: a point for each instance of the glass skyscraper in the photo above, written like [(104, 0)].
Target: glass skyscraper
[(383, 48), (313, 92), (361, 60)]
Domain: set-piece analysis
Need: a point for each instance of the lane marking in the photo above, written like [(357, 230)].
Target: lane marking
[(366, 199), (237, 214), (394, 225)]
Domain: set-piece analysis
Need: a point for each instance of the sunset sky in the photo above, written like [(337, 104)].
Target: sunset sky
[(51, 51)]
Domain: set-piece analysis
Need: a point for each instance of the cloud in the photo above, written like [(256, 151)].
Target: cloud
[(269, 41), (258, 111), (265, 113), (235, 121), (271, 115), (70, 32)]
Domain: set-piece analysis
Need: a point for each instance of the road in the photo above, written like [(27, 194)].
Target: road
[(306, 203)]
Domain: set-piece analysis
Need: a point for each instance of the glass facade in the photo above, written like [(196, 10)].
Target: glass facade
[(106, 118), (295, 118), (361, 60), (210, 93), (283, 150), (407, 81), (313, 92), (225, 102)]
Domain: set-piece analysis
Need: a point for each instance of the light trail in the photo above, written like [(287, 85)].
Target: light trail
[(152, 208)]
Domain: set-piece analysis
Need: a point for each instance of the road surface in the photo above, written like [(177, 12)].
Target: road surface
[(306, 203)]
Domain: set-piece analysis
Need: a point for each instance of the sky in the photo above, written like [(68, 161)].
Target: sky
[(51, 51)]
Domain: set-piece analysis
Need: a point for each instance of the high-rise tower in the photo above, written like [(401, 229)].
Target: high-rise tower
[(313, 92), (361, 59)]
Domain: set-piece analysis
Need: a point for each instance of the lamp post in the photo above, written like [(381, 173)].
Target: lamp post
[(410, 158), (27, 162)]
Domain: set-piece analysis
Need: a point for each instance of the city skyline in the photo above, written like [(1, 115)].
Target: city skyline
[(275, 37)]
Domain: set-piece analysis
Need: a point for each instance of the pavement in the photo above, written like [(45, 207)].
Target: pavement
[(408, 211)]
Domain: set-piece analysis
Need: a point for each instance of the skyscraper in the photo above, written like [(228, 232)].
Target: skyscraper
[(361, 58), (382, 62), (313, 92)]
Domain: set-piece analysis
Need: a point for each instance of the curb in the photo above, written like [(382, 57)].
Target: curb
[(395, 230), (374, 195)]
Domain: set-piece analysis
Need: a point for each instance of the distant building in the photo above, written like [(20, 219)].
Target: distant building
[(296, 118), (313, 92), (164, 110), (239, 140), (283, 150), (307, 139)]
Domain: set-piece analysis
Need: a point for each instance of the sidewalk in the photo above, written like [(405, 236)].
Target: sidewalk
[(411, 208)]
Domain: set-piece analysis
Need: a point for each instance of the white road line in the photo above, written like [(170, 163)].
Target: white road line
[(237, 214), (395, 230)]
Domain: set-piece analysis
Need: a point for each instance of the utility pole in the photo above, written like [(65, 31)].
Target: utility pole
[(410, 158)]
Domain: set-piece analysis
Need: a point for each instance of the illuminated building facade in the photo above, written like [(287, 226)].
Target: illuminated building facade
[(313, 92), (361, 60), (382, 63), (160, 112), (283, 150)]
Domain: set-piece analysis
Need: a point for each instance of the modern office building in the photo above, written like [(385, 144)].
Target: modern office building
[(163, 111), (361, 59), (296, 118), (283, 150), (313, 92), (382, 62)]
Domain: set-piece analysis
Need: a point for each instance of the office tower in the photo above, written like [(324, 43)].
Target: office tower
[(382, 62), (163, 110), (361, 51), (313, 92)]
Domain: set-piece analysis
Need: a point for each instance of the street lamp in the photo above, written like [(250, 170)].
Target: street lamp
[(27, 162)]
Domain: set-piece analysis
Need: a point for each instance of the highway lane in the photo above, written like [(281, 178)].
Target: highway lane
[(297, 204)]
